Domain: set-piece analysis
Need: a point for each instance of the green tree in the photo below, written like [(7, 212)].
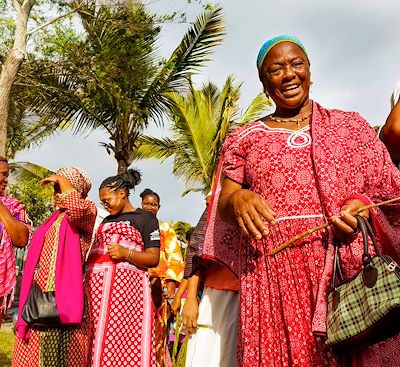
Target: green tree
[(38, 200), (181, 228), (115, 80), (200, 121), (17, 16)]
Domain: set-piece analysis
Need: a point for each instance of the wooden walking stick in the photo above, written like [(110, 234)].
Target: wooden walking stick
[(325, 225)]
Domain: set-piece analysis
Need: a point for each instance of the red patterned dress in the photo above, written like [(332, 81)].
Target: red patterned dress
[(307, 176), (277, 309), (66, 347), (119, 295)]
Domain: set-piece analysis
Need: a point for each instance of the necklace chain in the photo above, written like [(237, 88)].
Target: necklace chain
[(297, 121)]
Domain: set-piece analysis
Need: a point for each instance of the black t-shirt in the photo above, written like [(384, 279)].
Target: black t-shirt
[(145, 222)]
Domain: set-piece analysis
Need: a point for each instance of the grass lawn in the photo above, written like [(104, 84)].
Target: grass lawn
[(6, 347)]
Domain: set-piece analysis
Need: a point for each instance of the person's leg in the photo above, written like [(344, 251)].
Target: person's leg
[(214, 344)]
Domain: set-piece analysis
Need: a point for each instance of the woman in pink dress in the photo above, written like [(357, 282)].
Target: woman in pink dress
[(118, 286), (290, 171)]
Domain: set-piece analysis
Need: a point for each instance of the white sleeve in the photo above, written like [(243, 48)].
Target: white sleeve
[(395, 95)]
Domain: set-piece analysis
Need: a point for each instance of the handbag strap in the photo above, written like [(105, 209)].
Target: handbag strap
[(366, 231)]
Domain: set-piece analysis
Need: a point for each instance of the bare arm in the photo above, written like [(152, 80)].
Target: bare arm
[(390, 134), (17, 231), (147, 259), (190, 310), (245, 209), (81, 212), (61, 181), (176, 303)]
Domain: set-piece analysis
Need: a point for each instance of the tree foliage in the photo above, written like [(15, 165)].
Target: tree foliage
[(181, 228), (38, 200), (115, 79), (200, 121)]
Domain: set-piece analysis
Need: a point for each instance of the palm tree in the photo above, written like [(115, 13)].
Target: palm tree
[(115, 81), (200, 121)]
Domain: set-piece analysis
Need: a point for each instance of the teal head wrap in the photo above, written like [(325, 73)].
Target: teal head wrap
[(266, 47)]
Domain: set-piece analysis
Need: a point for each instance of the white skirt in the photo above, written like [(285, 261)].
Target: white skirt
[(215, 345)]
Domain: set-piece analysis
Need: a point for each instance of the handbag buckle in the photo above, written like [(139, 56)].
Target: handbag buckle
[(392, 266)]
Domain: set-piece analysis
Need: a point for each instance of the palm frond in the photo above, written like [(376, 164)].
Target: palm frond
[(256, 109), (151, 147), (197, 189), (191, 54), (24, 171)]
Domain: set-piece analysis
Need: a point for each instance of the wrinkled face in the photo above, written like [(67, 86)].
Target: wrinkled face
[(150, 204), (4, 172), (285, 74), (112, 201)]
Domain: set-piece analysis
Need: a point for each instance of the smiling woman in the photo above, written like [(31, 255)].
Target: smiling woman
[(125, 245), (324, 175)]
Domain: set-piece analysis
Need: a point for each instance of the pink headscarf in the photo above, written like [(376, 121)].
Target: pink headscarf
[(78, 178)]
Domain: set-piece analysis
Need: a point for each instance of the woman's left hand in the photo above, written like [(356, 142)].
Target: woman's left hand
[(346, 223), (171, 286), (117, 252)]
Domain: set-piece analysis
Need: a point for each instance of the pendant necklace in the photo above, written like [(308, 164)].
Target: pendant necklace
[(297, 121)]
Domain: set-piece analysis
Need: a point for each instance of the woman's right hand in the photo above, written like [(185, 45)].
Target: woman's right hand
[(176, 304), (245, 208), (190, 314)]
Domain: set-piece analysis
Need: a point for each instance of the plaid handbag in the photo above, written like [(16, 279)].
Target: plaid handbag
[(365, 309)]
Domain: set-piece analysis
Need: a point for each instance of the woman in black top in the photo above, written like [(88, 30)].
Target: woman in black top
[(118, 288)]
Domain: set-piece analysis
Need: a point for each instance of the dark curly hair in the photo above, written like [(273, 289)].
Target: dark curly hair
[(147, 192), (124, 181)]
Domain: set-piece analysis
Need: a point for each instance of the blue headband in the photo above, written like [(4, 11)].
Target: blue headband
[(266, 47)]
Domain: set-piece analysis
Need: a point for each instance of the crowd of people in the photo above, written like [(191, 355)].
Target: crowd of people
[(118, 281)]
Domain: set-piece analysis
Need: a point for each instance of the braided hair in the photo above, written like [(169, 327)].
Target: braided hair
[(124, 181), (147, 192)]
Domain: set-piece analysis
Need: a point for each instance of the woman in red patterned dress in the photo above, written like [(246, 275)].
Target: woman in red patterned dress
[(118, 287), (288, 172), (55, 263)]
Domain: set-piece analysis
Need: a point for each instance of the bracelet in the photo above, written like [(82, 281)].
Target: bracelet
[(130, 254), (65, 193)]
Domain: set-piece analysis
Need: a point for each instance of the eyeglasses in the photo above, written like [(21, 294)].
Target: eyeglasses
[(105, 203)]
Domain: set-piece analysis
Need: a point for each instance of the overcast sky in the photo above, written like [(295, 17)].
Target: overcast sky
[(353, 46)]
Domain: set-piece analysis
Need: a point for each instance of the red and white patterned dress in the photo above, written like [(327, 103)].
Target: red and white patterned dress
[(277, 309), (306, 176), (120, 303), (67, 346)]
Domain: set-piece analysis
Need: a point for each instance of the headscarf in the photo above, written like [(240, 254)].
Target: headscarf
[(78, 178), (266, 47)]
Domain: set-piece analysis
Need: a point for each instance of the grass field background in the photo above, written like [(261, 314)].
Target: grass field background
[(6, 346)]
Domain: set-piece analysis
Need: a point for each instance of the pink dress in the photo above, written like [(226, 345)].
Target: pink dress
[(281, 291), (307, 176), (119, 300)]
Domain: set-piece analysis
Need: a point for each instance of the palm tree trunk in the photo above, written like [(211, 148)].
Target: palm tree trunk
[(122, 166), (11, 65)]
